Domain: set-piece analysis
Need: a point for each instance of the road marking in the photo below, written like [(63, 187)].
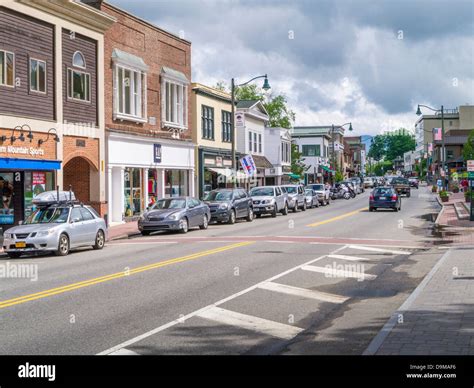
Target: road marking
[(340, 217), (124, 352), (102, 279), (338, 273), (194, 313), (366, 248), (280, 242), (350, 258), (249, 322), (144, 242), (303, 292)]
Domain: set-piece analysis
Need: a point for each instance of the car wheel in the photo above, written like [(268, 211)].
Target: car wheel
[(63, 245), (205, 222), (145, 233), (231, 217), (408, 195), (99, 240), (275, 211), (396, 209), (183, 225), (250, 215), (371, 209), (285, 210), (295, 209), (14, 255), (304, 206)]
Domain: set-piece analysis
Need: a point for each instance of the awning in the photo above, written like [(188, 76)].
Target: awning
[(131, 60), (29, 164), (261, 162), (175, 74), (327, 169), (292, 176)]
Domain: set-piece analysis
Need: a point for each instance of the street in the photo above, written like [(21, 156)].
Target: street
[(323, 281)]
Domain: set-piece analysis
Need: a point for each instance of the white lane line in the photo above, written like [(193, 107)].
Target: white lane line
[(124, 352), (142, 243), (366, 248), (303, 292), (194, 313), (279, 242), (372, 245), (338, 273), (350, 258), (249, 322)]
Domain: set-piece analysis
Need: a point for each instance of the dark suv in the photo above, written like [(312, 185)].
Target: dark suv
[(229, 204)]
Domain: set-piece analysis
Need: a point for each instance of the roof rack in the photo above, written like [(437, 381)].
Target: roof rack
[(57, 197)]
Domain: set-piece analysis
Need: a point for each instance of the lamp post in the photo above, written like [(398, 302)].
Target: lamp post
[(266, 86), (443, 146), (333, 143)]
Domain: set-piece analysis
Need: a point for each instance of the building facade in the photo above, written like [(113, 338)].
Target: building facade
[(278, 152), (51, 103), (150, 154)]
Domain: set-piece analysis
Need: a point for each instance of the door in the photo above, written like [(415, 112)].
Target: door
[(195, 218), (238, 204), (76, 228), (90, 226), (280, 198), (244, 203)]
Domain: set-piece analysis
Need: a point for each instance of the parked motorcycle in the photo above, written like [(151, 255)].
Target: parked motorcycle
[(340, 192)]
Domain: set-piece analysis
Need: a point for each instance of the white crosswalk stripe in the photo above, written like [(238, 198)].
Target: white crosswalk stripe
[(372, 249), (303, 292), (332, 272), (350, 258)]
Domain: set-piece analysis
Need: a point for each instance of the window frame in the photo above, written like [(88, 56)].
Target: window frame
[(250, 144), (4, 84), (83, 58), (226, 125), (37, 78), (260, 143), (181, 108), (305, 148), (70, 86), (118, 112), (207, 131)]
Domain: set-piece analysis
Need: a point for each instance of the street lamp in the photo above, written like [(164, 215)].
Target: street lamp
[(333, 127), (266, 86)]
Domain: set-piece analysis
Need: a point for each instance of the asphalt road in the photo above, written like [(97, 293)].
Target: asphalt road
[(322, 281)]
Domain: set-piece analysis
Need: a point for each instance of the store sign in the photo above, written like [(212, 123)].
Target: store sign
[(157, 153), (39, 183), (470, 165), (14, 150), (239, 120)]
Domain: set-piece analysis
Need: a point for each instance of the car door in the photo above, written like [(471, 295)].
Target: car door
[(239, 204), (194, 212), (279, 198), (76, 228), (90, 226), (245, 203)]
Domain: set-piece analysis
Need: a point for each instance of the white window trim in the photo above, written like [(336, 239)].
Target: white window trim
[(165, 123), (83, 57), (5, 52), (45, 77), (143, 118), (69, 86)]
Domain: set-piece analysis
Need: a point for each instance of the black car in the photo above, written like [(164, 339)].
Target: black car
[(229, 204), (384, 198)]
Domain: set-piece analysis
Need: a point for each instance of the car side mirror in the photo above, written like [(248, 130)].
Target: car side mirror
[(74, 220)]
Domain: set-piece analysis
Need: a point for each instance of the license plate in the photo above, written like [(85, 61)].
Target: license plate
[(382, 198), (20, 244)]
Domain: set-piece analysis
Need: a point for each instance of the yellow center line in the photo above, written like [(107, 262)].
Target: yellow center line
[(117, 275), (338, 217)]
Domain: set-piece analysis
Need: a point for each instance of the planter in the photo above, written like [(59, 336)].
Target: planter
[(444, 199), (434, 189)]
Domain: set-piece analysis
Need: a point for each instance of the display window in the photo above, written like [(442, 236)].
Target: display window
[(7, 212), (132, 191)]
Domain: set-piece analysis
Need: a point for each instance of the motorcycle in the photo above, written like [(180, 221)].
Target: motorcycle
[(340, 192)]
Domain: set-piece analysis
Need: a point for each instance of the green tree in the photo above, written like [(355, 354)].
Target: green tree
[(468, 148), (297, 162), (398, 143), (339, 176), (377, 148)]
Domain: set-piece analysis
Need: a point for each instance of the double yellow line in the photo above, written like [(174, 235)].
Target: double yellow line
[(117, 275), (338, 217)]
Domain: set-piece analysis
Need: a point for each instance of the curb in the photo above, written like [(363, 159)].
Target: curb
[(379, 339), (124, 236)]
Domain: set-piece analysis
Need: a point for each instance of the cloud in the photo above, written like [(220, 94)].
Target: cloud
[(335, 61)]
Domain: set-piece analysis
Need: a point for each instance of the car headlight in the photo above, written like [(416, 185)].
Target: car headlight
[(7, 235), (142, 217), (223, 206), (173, 216), (267, 201), (45, 232)]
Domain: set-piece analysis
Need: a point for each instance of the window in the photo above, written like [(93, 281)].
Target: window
[(259, 143), (175, 104), (7, 68), (250, 141), (86, 214), (254, 142), (130, 89), (311, 150), (207, 122), (78, 82), (76, 215), (226, 126), (37, 75), (285, 152)]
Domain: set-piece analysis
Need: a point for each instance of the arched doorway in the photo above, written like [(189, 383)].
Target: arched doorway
[(77, 173)]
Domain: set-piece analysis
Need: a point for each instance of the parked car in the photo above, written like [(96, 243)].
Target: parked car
[(311, 198), (56, 227), (227, 205), (268, 200), (324, 193), (401, 185), (177, 213), (413, 182), (368, 182), (295, 197), (384, 197)]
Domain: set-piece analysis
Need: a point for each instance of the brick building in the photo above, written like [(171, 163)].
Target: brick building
[(150, 154), (51, 103)]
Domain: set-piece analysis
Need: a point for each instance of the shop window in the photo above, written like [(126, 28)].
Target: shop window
[(6, 188), (176, 183), (152, 187), (132, 191), (36, 182), (7, 68)]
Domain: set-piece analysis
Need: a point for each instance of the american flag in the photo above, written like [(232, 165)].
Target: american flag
[(437, 134)]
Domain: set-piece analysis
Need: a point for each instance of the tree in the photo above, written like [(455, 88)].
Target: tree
[(377, 148), (468, 149), (297, 165), (391, 145)]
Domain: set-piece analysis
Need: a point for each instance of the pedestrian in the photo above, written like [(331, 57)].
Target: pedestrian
[(464, 185)]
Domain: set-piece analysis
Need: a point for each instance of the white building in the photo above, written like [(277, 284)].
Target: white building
[(278, 152)]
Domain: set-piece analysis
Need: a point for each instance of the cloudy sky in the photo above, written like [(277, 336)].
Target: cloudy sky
[(365, 61)]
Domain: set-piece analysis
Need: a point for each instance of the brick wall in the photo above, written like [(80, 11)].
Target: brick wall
[(48, 146), (75, 146), (157, 48), (76, 173)]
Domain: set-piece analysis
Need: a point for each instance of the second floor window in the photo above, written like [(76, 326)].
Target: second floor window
[(285, 152), (311, 150), (207, 120), (254, 142), (78, 81), (175, 104), (130, 86), (226, 126), (7, 68), (250, 141), (260, 143), (37, 75)]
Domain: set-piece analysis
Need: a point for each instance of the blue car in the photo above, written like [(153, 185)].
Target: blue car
[(385, 198)]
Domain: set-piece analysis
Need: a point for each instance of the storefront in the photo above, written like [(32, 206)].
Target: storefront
[(142, 170), (214, 169)]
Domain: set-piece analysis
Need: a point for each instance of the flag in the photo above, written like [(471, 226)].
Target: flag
[(437, 134)]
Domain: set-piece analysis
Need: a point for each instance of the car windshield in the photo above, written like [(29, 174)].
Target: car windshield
[(261, 191), (399, 181), (318, 187), (170, 203), (218, 196), (383, 191), (291, 190), (51, 215), (308, 192)]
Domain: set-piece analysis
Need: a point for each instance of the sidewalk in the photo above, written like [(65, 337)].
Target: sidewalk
[(438, 317), (121, 231)]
